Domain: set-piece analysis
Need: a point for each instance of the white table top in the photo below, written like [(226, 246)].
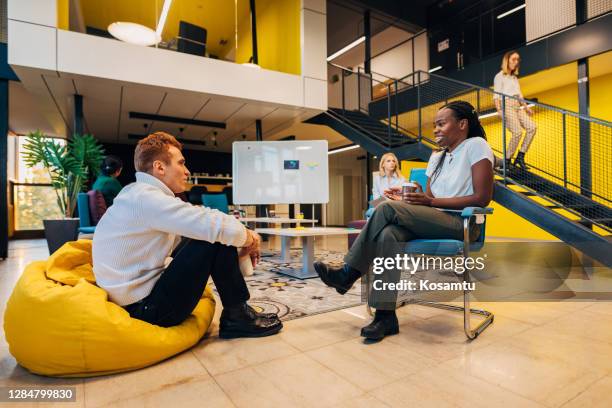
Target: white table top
[(307, 232), (277, 220)]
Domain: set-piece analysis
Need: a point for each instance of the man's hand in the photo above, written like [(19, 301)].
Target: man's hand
[(528, 110), (393, 193), (252, 247), (255, 257)]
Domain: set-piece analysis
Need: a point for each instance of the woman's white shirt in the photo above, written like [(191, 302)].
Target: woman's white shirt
[(383, 183), (506, 84), (455, 176)]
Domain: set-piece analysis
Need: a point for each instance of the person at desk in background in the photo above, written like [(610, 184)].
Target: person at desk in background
[(388, 176), (107, 182), (459, 175), (139, 262), (517, 114)]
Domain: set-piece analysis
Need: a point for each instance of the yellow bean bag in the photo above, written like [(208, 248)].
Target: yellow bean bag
[(59, 323)]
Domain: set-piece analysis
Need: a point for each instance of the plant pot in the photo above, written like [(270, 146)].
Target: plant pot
[(58, 232)]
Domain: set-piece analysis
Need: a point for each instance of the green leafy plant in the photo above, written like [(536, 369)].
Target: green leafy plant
[(68, 165)]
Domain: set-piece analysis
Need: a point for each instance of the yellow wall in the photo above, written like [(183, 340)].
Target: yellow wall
[(278, 25), (601, 93), (278, 36), (62, 14), (564, 97), (217, 17), (557, 87)]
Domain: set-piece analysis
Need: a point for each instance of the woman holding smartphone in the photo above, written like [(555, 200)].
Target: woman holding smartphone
[(459, 175)]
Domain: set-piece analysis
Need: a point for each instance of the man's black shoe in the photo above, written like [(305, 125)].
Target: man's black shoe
[(243, 321), (384, 324), (262, 314), (340, 278)]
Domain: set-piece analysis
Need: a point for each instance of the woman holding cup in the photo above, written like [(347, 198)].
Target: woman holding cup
[(388, 175), (459, 175)]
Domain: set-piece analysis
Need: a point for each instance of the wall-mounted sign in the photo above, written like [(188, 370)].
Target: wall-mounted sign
[(443, 45)]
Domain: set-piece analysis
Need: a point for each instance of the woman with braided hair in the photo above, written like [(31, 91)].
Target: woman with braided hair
[(459, 175)]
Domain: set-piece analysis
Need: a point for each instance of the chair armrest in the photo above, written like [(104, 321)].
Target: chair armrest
[(469, 211)]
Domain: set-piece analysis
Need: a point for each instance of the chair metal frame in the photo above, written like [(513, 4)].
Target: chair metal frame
[(479, 214), (470, 332)]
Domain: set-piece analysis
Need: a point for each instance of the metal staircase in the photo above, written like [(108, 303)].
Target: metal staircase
[(567, 189), (373, 135)]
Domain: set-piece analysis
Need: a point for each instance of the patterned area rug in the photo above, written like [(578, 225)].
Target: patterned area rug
[(293, 298)]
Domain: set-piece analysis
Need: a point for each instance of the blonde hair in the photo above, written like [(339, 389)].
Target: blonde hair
[(381, 170), (506, 61)]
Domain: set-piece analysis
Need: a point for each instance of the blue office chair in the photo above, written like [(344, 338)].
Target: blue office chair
[(452, 247), (85, 224), (419, 176), (216, 201)]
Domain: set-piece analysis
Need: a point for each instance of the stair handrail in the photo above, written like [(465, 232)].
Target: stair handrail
[(419, 78), (543, 105), (356, 126)]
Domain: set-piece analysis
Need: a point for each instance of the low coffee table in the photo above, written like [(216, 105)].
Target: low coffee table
[(308, 235)]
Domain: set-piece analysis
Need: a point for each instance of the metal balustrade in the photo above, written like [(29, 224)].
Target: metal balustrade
[(569, 162)]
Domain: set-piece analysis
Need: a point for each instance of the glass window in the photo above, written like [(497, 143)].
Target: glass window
[(34, 203), (37, 174), (33, 199)]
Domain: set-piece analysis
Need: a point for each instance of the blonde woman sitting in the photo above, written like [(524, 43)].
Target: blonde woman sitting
[(388, 176)]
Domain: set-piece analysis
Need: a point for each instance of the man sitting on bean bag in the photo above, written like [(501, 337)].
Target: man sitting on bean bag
[(138, 233)]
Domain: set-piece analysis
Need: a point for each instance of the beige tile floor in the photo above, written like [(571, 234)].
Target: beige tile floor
[(535, 355)]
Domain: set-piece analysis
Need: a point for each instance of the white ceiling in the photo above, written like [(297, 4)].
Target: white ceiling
[(44, 100)]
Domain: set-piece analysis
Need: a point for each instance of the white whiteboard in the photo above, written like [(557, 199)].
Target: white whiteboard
[(280, 172)]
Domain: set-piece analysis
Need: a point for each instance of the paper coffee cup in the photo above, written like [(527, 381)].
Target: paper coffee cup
[(408, 188)]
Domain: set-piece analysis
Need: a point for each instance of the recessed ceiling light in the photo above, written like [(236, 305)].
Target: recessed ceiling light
[(514, 10), (345, 49), (343, 149), (134, 33)]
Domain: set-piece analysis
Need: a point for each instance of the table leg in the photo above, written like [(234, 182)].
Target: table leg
[(285, 248), (308, 270)]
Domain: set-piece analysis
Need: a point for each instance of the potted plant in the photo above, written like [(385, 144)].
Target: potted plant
[(69, 167)]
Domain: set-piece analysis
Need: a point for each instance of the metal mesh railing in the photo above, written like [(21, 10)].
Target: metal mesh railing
[(569, 159), (568, 156)]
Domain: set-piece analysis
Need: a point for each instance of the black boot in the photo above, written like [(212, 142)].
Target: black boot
[(384, 324), (499, 163), (520, 161), (341, 278), (242, 321)]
